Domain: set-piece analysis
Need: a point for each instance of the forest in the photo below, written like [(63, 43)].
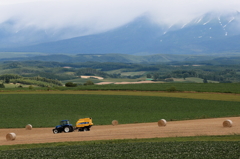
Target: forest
[(57, 72)]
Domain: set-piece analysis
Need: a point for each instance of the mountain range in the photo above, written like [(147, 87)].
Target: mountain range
[(211, 33)]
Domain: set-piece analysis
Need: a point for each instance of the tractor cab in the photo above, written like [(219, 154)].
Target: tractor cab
[(64, 122)]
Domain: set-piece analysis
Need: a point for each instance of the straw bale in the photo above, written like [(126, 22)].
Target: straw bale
[(162, 122), (227, 123), (28, 127), (114, 122), (11, 136)]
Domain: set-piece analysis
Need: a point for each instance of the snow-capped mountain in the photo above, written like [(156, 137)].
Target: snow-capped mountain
[(209, 33)]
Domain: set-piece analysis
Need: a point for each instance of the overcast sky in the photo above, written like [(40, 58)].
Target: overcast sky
[(101, 15)]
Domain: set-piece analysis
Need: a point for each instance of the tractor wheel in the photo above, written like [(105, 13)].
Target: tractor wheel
[(66, 129), (55, 131), (85, 129), (71, 129), (80, 129)]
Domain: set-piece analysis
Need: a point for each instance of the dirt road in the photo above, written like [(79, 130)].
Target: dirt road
[(126, 131)]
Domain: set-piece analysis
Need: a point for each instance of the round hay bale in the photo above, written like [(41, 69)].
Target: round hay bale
[(28, 127), (11, 136), (227, 123), (114, 122), (162, 122)]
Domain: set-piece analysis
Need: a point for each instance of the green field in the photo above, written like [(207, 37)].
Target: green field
[(143, 150), (46, 110), (193, 87), (196, 87)]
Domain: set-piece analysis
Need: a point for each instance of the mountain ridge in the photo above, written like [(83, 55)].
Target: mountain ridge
[(207, 34)]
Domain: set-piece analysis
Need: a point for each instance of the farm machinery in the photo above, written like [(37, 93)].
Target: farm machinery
[(83, 124)]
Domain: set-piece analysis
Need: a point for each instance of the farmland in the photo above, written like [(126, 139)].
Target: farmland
[(50, 108), (45, 108), (166, 150), (195, 87)]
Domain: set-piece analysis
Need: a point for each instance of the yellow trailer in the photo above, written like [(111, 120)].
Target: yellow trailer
[(84, 124)]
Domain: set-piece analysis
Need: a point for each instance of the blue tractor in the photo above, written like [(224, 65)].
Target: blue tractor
[(63, 127)]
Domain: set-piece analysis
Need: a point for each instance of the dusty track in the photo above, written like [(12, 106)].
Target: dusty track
[(126, 131)]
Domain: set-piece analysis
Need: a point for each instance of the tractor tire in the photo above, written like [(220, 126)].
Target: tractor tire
[(80, 129), (85, 129), (55, 131), (71, 129), (67, 129)]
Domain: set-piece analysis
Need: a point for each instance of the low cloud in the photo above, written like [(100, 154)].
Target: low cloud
[(92, 16)]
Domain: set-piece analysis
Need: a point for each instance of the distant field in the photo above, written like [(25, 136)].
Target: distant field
[(197, 87), (46, 110), (193, 79), (143, 150), (132, 73), (16, 85), (82, 80), (18, 54)]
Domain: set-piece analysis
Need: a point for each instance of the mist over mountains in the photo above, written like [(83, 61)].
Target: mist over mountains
[(211, 33)]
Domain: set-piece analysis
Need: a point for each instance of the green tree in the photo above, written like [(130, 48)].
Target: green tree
[(70, 84), (7, 80), (185, 75), (149, 75), (156, 76), (2, 85), (172, 89), (88, 83), (205, 80)]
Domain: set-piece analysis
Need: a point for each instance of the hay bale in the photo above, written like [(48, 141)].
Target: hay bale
[(11, 136), (162, 122), (28, 127), (227, 123), (114, 122)]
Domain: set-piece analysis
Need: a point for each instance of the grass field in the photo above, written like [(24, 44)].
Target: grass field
[(192, 87), (196, 87), (132, 73), (195, 79), (46, 110)]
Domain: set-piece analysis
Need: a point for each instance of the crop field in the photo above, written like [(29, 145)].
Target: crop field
[(132, 73), (164, 150), (197, 87), (46, 110)]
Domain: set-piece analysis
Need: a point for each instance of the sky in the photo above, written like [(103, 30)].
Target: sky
[(92, 16)]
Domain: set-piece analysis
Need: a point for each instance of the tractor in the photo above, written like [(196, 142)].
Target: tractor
[(64, 126), (83, 124)]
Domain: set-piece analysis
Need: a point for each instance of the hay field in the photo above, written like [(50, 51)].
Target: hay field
[(129, 149), (141, 109)]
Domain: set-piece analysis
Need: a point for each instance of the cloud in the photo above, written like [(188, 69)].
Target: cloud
[(91, 16)]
